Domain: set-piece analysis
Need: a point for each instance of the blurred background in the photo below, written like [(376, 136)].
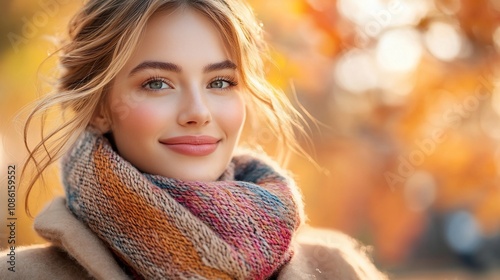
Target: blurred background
[(408, 98)]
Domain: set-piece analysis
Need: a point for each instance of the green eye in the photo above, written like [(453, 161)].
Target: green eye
[(156, 84), (223, 83), (219, 84)]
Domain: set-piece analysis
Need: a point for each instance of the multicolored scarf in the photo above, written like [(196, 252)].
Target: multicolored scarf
[(239, 227)]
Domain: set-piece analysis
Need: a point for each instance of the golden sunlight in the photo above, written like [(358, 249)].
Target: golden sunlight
[(399, 50), (443, 40)]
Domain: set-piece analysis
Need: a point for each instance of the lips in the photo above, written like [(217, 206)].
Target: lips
[(199, 145)]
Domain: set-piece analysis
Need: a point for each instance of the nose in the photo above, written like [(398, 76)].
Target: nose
[(194, 109)]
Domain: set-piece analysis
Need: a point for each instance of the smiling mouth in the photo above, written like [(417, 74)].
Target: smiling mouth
[(192, 145)]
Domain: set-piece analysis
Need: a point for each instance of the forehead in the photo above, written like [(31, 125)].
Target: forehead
[(183, 31)]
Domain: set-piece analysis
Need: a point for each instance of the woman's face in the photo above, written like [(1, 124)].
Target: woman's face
[(176, 108)]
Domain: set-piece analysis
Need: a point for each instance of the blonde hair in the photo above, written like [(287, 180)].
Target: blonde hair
[(102, 37)]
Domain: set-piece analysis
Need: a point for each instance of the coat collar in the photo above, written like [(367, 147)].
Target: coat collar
[(59, 226)]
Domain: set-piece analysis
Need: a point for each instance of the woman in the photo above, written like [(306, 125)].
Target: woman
[(158, 94)]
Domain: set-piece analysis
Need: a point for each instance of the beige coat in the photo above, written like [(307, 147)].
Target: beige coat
[(74, 252)]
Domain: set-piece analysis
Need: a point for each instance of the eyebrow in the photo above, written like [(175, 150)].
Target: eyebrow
[(226, 64), (167, 66)]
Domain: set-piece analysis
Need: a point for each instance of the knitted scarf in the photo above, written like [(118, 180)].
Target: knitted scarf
[(239, 227)]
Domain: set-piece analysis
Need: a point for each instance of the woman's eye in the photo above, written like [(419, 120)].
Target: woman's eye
[(156, 85), (219, 84)]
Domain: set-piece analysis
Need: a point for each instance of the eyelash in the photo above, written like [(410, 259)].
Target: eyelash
[(155, 79), (230, 80)]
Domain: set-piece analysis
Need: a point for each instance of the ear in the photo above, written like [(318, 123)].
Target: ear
[(101, 120)]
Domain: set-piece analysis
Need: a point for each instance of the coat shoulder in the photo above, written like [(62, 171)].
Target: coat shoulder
[(40, 262), (327, 254)]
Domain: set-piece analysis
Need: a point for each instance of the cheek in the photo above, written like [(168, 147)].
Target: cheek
[(138, 118), (123, 102), (233, 116)]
